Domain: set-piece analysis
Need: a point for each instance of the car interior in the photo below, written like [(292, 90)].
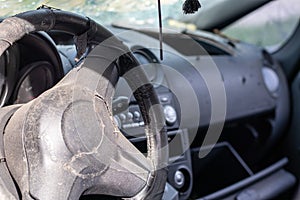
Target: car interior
[(91, 110)]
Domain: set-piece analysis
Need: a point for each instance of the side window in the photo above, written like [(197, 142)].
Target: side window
[(269, 26)]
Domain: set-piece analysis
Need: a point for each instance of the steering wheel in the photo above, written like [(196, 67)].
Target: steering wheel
[(65, 143)]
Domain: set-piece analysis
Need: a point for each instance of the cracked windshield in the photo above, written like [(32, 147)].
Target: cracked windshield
[(135, 12), (277, 20)]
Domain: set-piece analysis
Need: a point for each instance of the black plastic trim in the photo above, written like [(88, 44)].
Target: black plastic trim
[(246, 182)]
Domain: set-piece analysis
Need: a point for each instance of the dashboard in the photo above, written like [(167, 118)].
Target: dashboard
[(256, 93)]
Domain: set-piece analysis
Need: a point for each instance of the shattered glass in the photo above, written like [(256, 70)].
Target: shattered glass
[(104, 11)]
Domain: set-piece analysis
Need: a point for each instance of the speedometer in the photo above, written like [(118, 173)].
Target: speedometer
[(35, 79), (150, 65)]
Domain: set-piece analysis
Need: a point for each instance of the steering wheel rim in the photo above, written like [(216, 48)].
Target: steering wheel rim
[(46, 20)]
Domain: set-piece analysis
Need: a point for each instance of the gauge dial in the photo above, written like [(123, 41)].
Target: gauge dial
[(152, 69), (35, 79)]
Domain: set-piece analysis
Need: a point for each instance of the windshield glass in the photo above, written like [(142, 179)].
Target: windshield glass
[(121, 12)]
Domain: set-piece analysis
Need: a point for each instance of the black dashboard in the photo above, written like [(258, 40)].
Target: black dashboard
[(189, 82)]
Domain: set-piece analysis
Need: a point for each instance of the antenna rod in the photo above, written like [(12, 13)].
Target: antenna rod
[(160, 31)]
